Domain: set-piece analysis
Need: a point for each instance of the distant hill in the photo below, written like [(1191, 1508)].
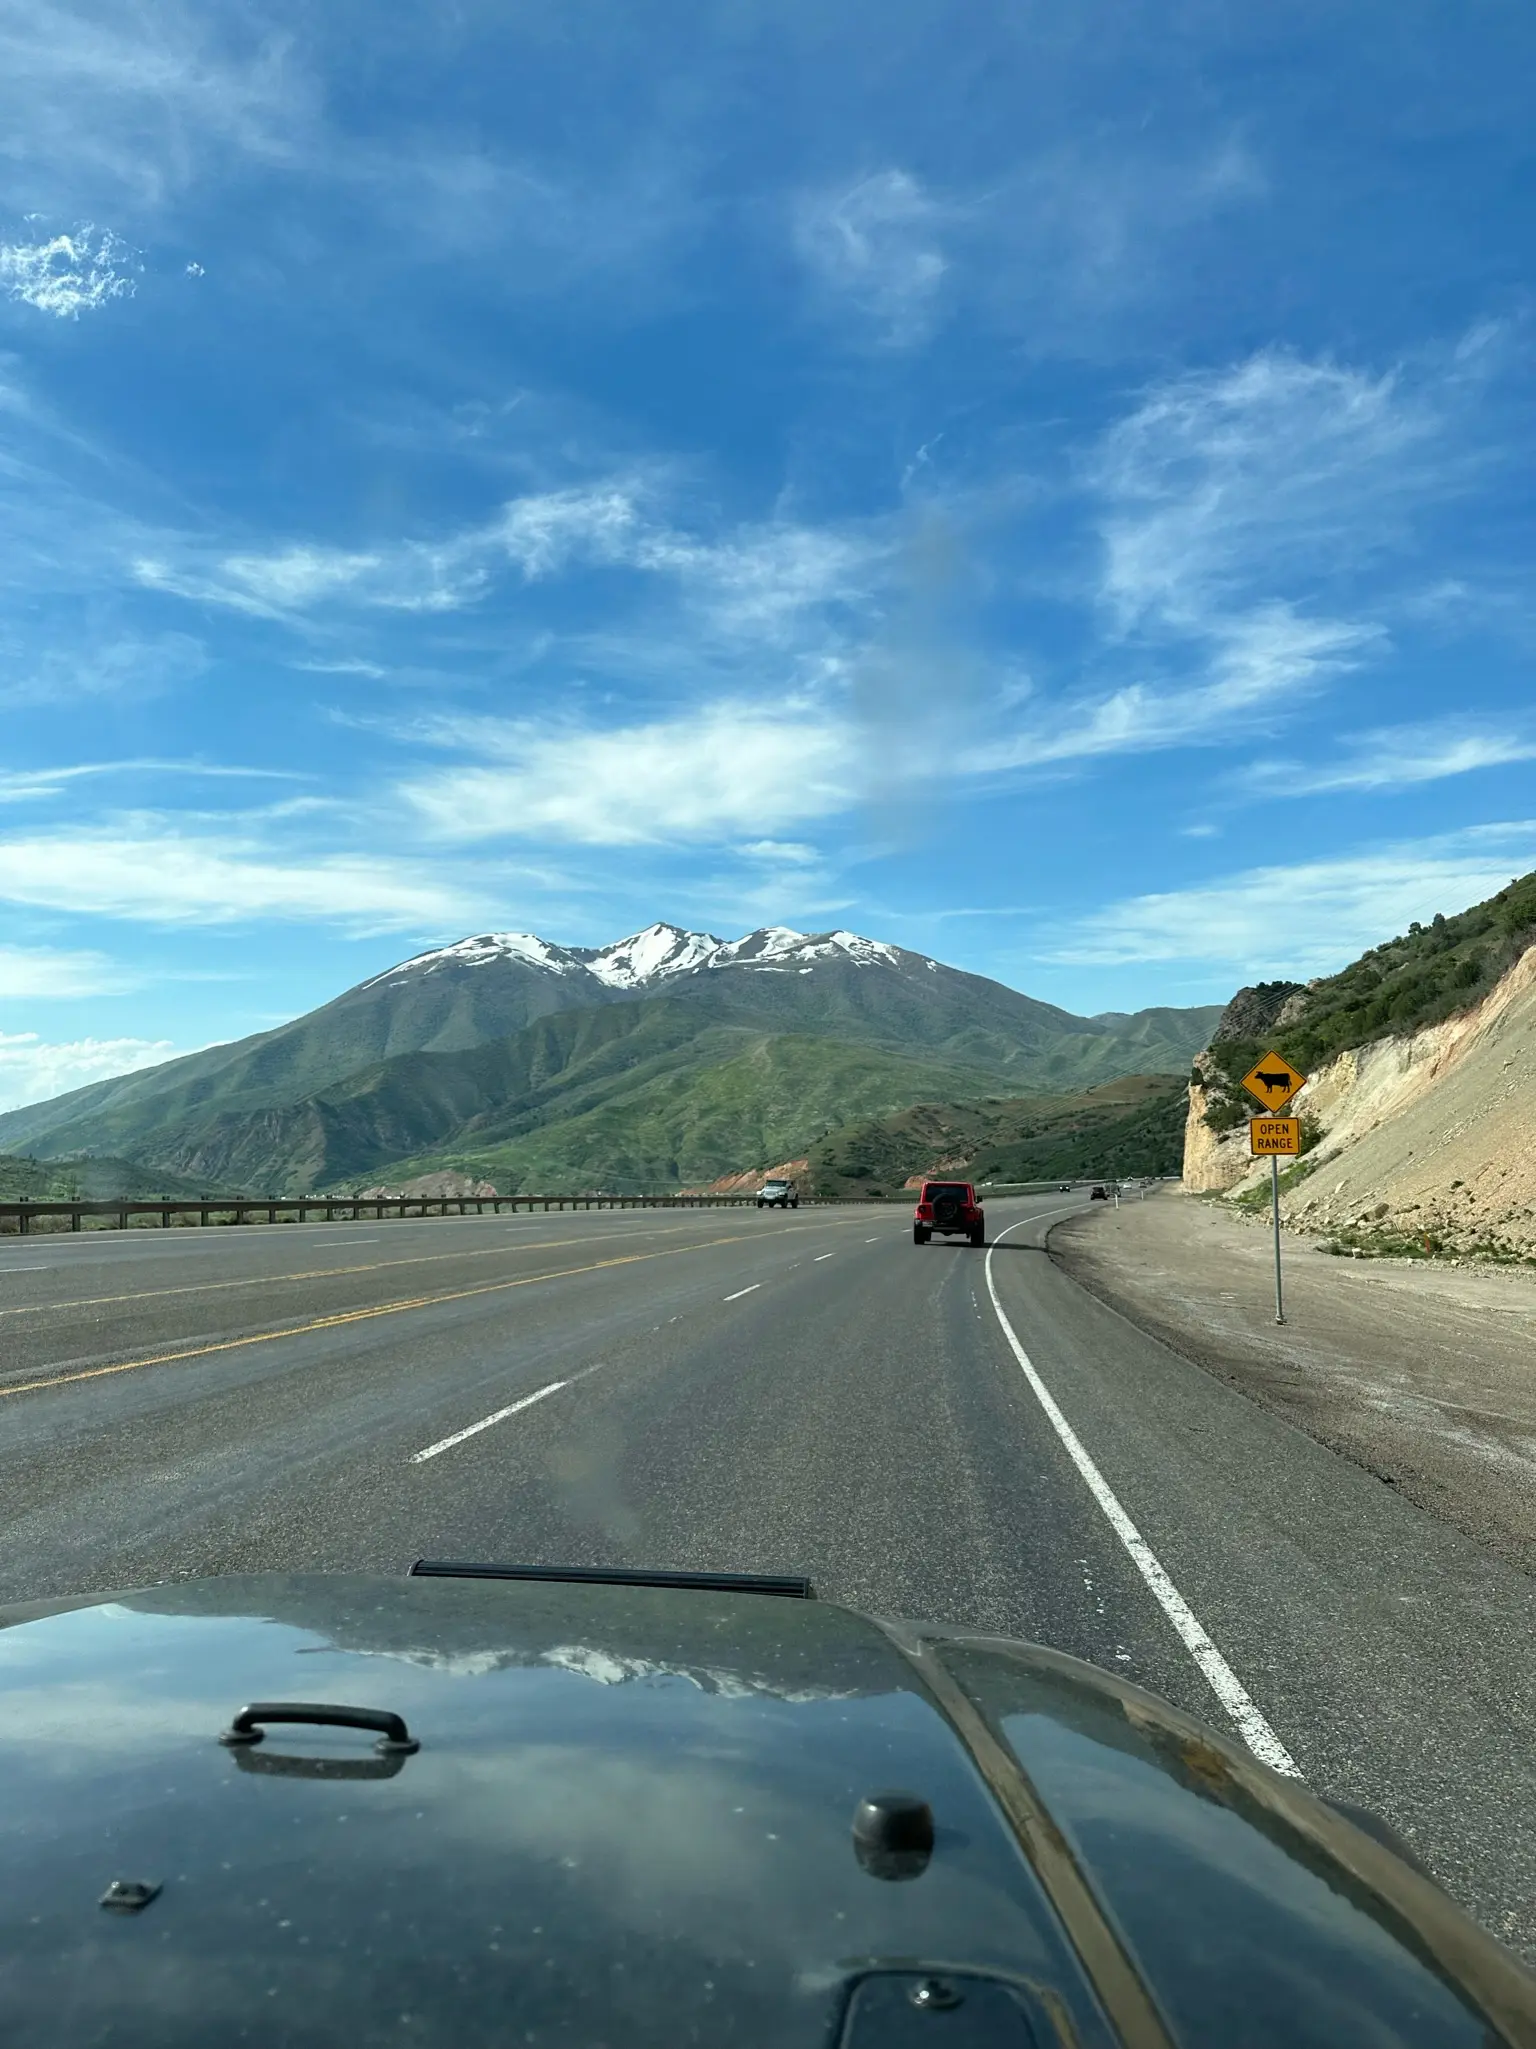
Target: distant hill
[(1129, 1127), (472, 1055)]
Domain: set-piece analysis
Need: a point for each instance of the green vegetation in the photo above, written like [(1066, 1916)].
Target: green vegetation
[(23, 1179), (1421, 978), (721, 1102), (1260, 1195), (1392, 1241), (1131, 1126)]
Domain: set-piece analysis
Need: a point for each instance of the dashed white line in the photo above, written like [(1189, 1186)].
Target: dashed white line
[(26, 1270), (501, 1415), (871, 1241), (742, 1291), (1224, 1682), (320, 1243), (821, 1256)]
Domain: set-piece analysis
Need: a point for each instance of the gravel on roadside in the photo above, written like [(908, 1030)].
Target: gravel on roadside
[(1424, 1374)]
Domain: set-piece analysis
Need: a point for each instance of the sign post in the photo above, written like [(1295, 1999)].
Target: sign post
[(1274, 1081)]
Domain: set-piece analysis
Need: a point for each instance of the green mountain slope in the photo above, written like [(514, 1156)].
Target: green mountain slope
[(94, 1180), (632, 1092), (445, 1012), (1131, 1126), (738, 1098)]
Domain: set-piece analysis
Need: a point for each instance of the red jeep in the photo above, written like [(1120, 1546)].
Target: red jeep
[(951, 1209)]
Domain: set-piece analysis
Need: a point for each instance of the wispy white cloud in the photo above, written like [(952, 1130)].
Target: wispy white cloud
[(49, 972), (128, 666), (1258, 668), (1079, 248), (875, 246), (137, 101), (1234, 505), (168, 872), (32, 1069), (1398, 758), (720, 773), (1305, 918), (747, 580), (69, 274), (1223, 484), (19, 786), (347, 665)]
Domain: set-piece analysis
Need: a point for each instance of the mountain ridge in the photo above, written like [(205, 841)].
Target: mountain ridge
[(398, 1065)]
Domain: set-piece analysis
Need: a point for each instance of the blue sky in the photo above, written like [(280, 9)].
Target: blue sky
[(1047, 486)]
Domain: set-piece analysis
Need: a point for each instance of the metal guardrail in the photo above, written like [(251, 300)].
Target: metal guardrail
[(343, 1208)]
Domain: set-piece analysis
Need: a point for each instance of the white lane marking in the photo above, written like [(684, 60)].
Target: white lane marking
[(25, 1270), (871, 1241), (742, 1291), (318, 1243), (1224, 1682), (821, 1256), (501, 1415)]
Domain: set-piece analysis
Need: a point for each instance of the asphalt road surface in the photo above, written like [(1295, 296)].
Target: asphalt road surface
[(803, 1392)]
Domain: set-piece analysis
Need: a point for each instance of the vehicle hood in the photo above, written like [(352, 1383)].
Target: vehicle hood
[(629, 1821)]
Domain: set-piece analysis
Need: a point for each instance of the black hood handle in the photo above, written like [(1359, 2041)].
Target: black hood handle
[(394, 1737)]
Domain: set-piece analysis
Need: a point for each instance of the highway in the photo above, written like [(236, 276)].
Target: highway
[(936, 1432)]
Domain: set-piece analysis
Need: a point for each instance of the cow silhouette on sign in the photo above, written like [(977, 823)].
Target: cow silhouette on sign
[(1273, 1081)]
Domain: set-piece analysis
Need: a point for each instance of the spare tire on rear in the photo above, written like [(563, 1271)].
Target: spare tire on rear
[(946, 1212)]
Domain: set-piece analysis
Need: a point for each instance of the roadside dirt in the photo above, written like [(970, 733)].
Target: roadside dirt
[(1422, 1373)]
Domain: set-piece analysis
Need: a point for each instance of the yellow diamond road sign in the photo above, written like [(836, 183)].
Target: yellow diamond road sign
[(1274, 1081)]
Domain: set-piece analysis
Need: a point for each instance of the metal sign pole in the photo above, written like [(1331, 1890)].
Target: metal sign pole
[(1274, 1082)]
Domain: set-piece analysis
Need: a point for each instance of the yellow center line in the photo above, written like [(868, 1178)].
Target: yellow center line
[(268, 1337), (310, 1273)]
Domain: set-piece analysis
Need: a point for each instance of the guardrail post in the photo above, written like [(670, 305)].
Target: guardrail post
[(74, 1218), (122, 1220), (23, 1222)]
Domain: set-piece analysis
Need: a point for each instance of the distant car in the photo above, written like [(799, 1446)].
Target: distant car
[(777, 1194), (949, 1208), (1098, 1193), (1066, 1187)]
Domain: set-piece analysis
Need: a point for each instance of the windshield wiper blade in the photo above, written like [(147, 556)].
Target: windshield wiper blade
[(788, 1586)]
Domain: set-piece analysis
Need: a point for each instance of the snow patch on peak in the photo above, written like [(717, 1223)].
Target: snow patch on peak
[(651, 955), (778, 947), (654, 955), (482, 949)]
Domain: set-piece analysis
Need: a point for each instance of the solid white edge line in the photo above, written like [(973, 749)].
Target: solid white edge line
[(501, 1415), (1223, 1681), (742, 1291)]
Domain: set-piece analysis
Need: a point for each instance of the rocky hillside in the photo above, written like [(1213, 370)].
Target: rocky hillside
[(1421, 1139)]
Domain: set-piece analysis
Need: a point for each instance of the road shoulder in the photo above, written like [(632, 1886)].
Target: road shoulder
[(1420, 1374)]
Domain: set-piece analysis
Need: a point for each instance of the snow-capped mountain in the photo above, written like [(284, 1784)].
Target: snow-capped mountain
[(509, 1026), (657, 954)]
